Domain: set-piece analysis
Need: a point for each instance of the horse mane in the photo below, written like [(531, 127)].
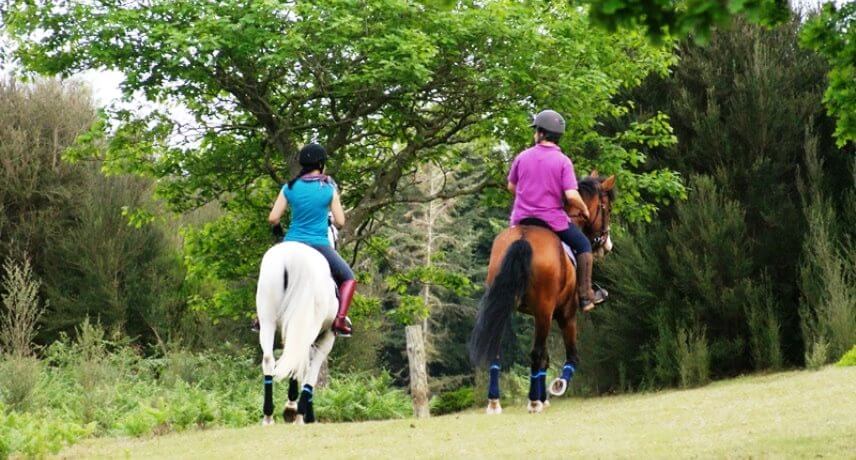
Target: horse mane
[(588, 187)]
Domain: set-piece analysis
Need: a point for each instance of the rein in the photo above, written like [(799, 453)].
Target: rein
[(600, 238)]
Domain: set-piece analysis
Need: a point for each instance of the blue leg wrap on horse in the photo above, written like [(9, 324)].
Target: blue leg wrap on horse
[(267, 408), (493, 387), (542, 384), (568, 371), (535, 390)]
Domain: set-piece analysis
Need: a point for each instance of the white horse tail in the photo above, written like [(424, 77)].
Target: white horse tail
[(308, 303)]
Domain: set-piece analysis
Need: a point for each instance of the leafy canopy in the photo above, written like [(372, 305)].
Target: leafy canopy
[(385, 85)]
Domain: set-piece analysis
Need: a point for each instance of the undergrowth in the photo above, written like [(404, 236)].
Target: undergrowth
[(95, 386)]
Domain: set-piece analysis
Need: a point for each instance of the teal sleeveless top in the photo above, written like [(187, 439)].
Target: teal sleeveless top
[(309, 200)]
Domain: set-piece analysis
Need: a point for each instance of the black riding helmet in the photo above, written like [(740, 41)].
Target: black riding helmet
[(312, 154)]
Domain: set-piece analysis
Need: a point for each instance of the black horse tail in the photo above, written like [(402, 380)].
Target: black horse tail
[(499, 302)]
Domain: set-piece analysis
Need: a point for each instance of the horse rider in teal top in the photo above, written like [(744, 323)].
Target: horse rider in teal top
[(313, 197)]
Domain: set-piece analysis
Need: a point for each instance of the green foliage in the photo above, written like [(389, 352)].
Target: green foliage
[(102, 386), (692, 357), (453, 401), (386, 86), (828, 272), (68, 219), (36, 435), (832, 33), (359, 397), (19, 376), (695, 17), (817, 354), (22, 309), (849, 358)]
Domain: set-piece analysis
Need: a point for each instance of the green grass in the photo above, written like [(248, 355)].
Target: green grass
[(792, 414)]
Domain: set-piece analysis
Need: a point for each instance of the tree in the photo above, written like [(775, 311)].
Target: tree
[(386, 86), (727, 263), (69, 219), (830, 32)]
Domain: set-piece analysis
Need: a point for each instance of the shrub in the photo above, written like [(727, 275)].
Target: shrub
[(828, 274), (36, 435), (817, 354), (361, 397), (22, 309), (692, 357), (19, 376), (849, 358), (453, 401)]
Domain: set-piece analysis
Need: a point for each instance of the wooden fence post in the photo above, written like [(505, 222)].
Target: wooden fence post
[(418, 371)]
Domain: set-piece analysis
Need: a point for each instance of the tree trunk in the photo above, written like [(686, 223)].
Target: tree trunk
[(418, 370)]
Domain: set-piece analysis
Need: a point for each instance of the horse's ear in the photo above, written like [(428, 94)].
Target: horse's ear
[(593, 173), (608, 183)]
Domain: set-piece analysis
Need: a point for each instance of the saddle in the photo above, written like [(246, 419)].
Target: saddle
[(535, 222)]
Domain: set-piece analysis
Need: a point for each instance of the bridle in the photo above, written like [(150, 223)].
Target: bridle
[(599, 238)]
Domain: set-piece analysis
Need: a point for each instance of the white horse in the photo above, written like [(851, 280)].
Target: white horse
[(297, 293)]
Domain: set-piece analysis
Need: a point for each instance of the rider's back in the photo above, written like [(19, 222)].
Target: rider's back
[(310, 205), (541, 174)]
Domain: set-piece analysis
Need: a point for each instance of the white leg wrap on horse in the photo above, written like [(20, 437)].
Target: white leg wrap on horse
[(493, 407), (558, 387)]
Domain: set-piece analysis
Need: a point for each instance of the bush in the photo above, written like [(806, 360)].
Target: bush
[(453, 401), (19, 322), (817, 354), (19, 376), (828, 274), (36, 435), (849, 358), (361, 397), (693, 358)]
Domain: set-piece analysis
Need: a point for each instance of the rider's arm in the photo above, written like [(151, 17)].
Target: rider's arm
[(338, 212), (576, 201), (512, 187), (278, 209)]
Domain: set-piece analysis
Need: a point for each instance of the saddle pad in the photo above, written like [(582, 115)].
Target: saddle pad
[(570, 253)]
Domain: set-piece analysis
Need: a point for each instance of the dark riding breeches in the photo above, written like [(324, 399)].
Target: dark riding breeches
[(340, 269), (572, 236)]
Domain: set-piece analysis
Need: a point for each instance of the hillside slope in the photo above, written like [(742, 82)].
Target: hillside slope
[(793, 414)]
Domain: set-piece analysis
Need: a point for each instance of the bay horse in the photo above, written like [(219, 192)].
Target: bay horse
[(297, 293), (529, 272)]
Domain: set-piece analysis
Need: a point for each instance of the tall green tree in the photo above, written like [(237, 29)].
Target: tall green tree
[(68, 219), (830, 32), (727, 262)]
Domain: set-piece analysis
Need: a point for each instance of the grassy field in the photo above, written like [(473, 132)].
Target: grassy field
[(792, 414)]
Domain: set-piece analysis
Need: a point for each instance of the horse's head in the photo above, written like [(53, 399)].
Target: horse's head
[(598, 193)]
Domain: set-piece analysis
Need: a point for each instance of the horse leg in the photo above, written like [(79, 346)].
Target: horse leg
[(569, 333), (493, 406), (539, 362), (267, 330), (322, 347), (289, 414)]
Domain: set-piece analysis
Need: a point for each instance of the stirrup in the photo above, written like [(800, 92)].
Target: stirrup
[(604, 294)]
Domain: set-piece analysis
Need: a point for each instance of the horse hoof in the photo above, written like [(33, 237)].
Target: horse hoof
[(299, 420), (267, 420), (536, 407), (558, 387), (290, 412), (546, 403), (493, 407)]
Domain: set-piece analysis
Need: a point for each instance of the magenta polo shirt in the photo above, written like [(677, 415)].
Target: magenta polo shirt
[(542, 174)]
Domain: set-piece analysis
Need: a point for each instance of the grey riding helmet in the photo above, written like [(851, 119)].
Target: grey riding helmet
[(549, 120)]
